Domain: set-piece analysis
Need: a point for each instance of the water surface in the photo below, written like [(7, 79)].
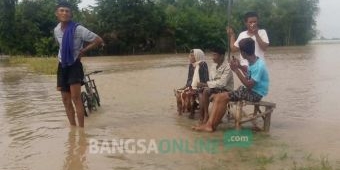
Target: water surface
[(138, 102)]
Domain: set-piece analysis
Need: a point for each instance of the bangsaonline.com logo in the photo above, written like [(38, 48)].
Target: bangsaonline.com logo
[(231, 139)]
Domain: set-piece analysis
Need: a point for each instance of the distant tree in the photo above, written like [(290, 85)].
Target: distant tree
[(7, 22), (138, 26), (130, 26), (33, 27)]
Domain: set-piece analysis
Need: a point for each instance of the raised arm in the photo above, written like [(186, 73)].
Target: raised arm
[(263, 45), (236, 67), (232, 39)]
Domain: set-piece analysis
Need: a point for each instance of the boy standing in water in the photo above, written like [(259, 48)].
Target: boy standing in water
[(71, 37), (251, 20)]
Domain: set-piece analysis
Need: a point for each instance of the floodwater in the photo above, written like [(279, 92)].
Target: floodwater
[(138, 103)]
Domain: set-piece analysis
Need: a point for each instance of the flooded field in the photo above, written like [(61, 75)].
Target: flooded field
[(138, 103)]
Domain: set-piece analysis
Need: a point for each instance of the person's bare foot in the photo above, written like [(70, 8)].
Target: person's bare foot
[(198, 125), (203, 128)]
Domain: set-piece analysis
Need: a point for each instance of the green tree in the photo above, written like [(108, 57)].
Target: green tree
[(33, 27), (144, 26), (7, 22), (130, 26)]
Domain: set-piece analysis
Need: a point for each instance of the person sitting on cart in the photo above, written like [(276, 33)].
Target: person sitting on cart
[(197, 73), (221, 81), (255, 85)]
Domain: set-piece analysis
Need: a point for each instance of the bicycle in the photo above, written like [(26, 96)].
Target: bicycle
[(90, 96)]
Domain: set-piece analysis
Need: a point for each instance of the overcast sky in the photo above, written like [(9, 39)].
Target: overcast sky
[(328, 22)]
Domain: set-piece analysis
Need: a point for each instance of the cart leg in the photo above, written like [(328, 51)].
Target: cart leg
[(266, 124), (256, 109), (238, 115)]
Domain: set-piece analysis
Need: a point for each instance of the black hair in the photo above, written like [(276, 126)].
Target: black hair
[(218, 50), (250, 14), (247, 45), (63, 4)]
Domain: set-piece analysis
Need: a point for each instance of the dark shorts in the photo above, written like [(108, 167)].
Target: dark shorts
[(211, 91), (242, 93), (69, 75)]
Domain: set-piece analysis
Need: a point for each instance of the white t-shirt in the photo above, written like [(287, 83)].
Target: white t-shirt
[(258, 51)]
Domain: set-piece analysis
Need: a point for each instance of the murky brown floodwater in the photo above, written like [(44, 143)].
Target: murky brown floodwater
[(138, 102)]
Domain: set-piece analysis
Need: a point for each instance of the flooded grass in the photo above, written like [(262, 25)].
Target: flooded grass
[(267, 154), (40, 65), (321, 164)]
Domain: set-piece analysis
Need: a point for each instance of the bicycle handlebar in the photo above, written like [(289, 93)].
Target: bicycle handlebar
[(94, 72)]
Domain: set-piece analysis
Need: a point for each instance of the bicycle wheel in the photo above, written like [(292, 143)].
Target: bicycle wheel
[(85, 100), (93, 101), (96, 93), (96, 97)]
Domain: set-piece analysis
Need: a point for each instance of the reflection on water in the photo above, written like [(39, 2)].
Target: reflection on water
[(138, 102), (76, 154)]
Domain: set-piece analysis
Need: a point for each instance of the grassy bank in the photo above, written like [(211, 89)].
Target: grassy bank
[(40, 65), (269, 154)]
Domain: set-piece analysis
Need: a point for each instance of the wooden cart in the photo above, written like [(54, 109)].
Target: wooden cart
[(241, 117)]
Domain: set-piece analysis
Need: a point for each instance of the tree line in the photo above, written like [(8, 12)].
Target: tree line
[(154, 26)]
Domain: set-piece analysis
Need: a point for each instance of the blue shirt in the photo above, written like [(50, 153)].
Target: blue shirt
[(258, 72)]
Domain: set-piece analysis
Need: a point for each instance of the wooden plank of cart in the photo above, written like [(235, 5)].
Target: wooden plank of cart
[(240, 116)]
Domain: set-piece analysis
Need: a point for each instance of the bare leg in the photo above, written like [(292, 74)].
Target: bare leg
[(66, 97), (201, 105), (206, 102), (76, 98), (220, 110), (220, 105)]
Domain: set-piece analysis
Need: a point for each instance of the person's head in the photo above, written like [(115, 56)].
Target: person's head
[(196, 55), (218, 54), (247, 48), (251, 20), (63, 11)]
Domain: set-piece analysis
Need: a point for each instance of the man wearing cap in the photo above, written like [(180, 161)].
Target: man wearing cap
[(71, 37)]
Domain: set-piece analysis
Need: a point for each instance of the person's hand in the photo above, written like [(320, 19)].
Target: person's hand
[(230, 31), (253, 28), (234, 64), (82, 53)]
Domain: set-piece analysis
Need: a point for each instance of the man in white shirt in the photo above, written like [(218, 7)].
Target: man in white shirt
[(251, 20), (221, 80)]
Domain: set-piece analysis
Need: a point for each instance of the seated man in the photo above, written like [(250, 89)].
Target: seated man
[(221, 81), (255, 85)]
